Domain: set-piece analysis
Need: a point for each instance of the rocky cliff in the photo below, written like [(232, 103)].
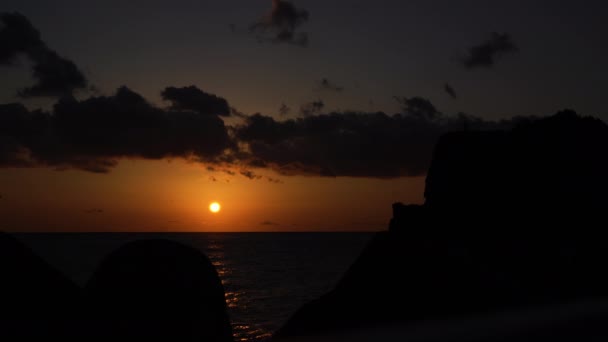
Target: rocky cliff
[(509, 223)]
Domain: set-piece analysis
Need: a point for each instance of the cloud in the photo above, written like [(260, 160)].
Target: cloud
[(94, 133), (488, 52), (237, 113), (268, 223), (418, 107), (312, 108), (450, 91), (250, 174), (193, 99), (326, 84), (55, 76), (281, 23), (284, 110), (354, 144)]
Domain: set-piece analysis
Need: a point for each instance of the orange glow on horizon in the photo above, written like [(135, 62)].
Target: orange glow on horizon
[(161, 196)]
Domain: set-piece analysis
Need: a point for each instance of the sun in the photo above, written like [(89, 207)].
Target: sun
[(215, 207)]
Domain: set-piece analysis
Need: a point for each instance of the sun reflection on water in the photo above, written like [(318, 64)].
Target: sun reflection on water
[(234, 297)]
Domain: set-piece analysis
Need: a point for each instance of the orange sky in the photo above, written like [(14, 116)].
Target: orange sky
[(397, 54), (142, 195)]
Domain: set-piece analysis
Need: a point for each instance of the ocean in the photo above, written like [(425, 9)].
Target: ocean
[(266, 276)]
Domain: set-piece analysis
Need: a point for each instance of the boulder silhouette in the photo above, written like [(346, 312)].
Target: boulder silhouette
[(510, 222), (38, 302), (157, 290)]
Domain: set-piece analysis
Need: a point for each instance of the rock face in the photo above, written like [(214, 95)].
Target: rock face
[(153, 290), (508, 224), (38, 303), (157, 290), (555, 165)]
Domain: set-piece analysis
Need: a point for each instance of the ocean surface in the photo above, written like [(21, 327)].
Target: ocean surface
[(266, 276)]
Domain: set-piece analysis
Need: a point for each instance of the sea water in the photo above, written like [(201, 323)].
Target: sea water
[(266, 276)]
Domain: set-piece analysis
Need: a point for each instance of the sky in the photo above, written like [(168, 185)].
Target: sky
[(295, 116)]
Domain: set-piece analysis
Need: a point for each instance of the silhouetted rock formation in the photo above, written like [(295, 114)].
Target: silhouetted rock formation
[(158, 290), (37, 302), (153, 290), (491, 235), (405, 216), (556, 165)]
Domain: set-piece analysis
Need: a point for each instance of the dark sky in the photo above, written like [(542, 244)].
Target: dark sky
[(293, 164), (373, 49)]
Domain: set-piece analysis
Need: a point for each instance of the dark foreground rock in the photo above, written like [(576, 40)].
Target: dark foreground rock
[(153, 290), (581, 321), (157, 290), (36, 301), (512, 222)]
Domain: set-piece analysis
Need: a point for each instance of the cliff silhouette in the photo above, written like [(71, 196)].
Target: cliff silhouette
[(512, 221), (554, 166)]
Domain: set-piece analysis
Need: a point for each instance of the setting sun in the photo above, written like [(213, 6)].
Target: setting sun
[(215, 207)]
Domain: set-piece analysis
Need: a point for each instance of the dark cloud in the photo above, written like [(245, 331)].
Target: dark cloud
[(21, 130), (250, 174), (450, 91), (284, 110), (269, 223), (55, 75), (274, 180), (257, 163), (281, 24), (193, 99), (93, 134), (312, 108), (418, 107), (326, 84), (488, 52), (354, 144), (237, 113), (126, 124)]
